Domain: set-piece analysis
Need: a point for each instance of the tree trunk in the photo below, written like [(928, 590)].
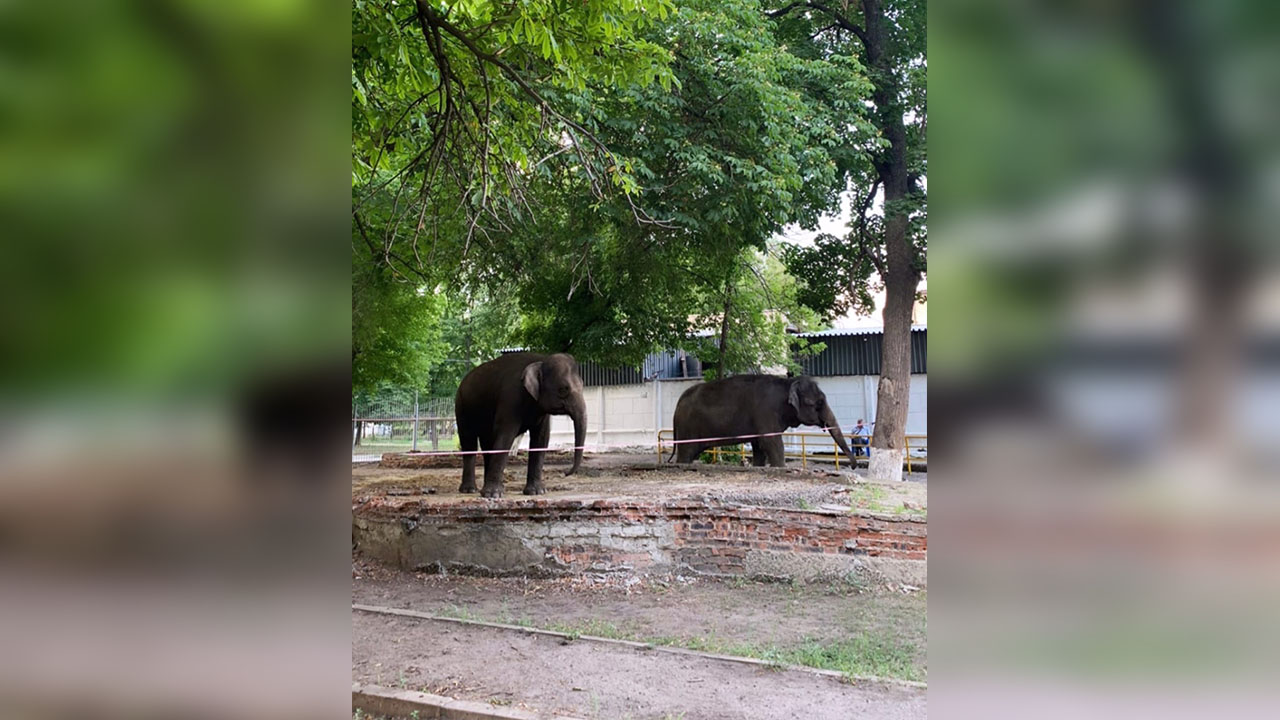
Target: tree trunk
[(724, 331), (359, 433), (894, 390), (900, 274)]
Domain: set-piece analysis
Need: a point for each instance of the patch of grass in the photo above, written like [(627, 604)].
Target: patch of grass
[(594, 627), (877, 653), (881, 655), (876, 498), (803, 504)]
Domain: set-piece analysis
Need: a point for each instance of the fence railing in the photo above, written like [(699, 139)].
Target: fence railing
[(813, 447), (401, 418)]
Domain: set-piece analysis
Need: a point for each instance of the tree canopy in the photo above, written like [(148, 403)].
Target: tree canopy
[(612, 170)]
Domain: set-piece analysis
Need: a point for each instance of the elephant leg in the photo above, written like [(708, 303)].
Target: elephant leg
[(774, 451), (758, 457), (539, 437), (495, 464), (689, 452), (467, 441)]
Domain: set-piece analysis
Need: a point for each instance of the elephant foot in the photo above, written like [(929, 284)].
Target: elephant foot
[(491, 491), (467, 488), (536, 489)]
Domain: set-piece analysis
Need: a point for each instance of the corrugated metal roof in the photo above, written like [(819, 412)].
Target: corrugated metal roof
[(849, 351), (859, 354), (842, 332)]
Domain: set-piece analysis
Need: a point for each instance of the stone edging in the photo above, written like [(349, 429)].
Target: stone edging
[(377, 700)]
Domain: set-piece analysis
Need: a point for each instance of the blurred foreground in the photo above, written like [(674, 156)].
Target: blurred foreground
[(1107, 374), (173, 352)]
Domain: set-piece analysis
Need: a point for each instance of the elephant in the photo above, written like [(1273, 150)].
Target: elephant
[(750, 405), (512, 394)]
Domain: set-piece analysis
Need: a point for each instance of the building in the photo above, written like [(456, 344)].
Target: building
[(626, 406)]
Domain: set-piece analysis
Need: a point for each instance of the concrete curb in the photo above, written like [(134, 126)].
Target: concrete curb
[(834, 674), (377, 700)]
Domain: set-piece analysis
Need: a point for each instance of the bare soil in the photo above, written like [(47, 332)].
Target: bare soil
[(593, 680), (620, 476), (480, 664)]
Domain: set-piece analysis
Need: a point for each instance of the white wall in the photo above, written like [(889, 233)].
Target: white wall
[(854, 396), (630, 415)]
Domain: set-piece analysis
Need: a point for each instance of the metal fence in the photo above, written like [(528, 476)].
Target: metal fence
[(804, 446), (395, 418)]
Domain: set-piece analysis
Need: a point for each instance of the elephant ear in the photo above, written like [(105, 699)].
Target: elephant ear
[(794, 396), (533, 377)]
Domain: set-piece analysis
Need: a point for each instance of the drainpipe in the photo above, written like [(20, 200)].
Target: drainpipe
[(602, 415), (657, 406), (415, 421)]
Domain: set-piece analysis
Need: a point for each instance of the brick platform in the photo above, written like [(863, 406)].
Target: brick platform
[(552, 537)]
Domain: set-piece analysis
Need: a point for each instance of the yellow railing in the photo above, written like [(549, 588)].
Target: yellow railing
[(824, 450)]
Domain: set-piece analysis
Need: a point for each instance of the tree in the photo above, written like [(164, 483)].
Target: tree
[(752, 320), (725, 160), (888, 37), (476, 324), (456, 108), (456, 105), (395, 328), (608, 191)]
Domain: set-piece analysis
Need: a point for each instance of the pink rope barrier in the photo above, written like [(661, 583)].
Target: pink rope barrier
[(433, 453)]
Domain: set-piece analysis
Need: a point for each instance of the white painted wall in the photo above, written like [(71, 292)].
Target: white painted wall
[(630, 415)]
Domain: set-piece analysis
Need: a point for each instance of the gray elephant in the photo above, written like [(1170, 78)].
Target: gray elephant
[(749, 405), (510, 395)]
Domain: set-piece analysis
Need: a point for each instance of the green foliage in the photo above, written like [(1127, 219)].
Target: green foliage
[(841, 273), (763, 309), (725, 161), (476, 324), (834, 278), (395, 328), (595, 177), (457, 106)]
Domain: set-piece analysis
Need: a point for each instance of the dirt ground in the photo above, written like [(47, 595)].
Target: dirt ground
[(743, 618), (590, 680), (632, 476), (873, 631), (714, 612)]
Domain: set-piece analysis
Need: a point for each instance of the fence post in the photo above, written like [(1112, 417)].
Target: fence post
[(906, 445), (415, 421), (804, 452)]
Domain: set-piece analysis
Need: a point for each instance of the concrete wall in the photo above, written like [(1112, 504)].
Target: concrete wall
[(630, 415)]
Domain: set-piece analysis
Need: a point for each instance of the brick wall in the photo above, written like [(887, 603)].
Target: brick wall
[(567, 536)]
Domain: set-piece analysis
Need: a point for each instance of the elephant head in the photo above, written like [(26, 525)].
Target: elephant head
[(555, 384), (811, 408)]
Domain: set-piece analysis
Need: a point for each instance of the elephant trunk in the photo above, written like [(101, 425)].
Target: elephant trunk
[(578, 412), (833, 427)]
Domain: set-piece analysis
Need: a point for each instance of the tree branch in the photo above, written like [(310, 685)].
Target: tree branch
[(838, 18)]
